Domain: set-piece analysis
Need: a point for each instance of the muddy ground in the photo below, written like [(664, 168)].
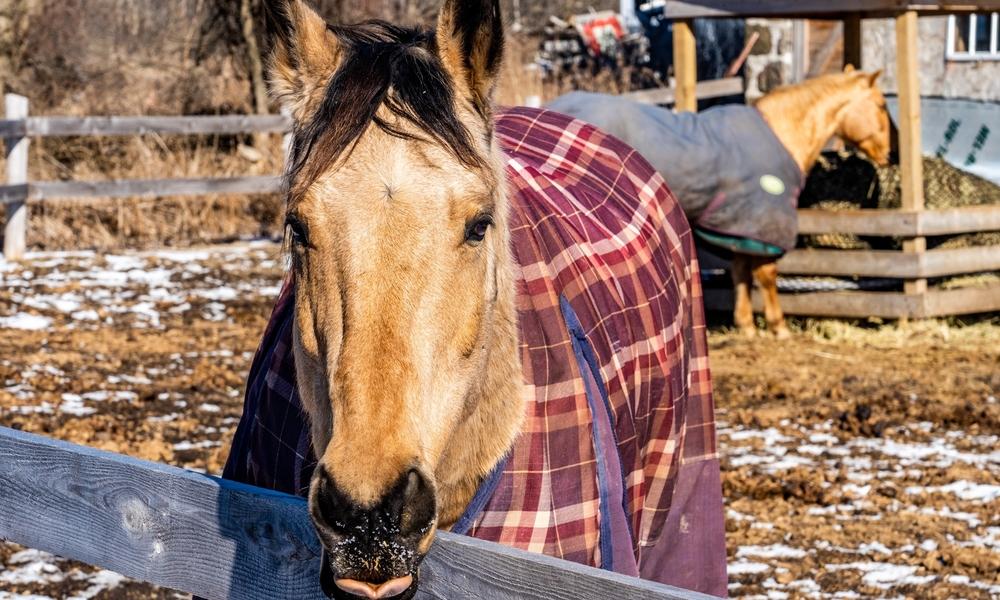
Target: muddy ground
[(858, 461)]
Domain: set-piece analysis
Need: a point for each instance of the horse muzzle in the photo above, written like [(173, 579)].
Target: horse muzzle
[(398, 588), (373, 552)]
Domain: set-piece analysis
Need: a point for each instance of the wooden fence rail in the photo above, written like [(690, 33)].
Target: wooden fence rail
[(109, 126), (223, 540)]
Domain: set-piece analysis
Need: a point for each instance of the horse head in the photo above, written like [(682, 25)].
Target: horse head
[(865, 121), (405, 338)]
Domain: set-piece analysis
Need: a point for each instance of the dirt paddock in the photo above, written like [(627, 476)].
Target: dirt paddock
[(857, 461)]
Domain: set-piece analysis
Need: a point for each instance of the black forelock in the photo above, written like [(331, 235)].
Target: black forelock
[(388, 66)]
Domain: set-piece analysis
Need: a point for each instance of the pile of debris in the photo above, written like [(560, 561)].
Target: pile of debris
[(576, 51)]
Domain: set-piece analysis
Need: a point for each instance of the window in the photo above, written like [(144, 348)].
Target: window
[(973, 37)]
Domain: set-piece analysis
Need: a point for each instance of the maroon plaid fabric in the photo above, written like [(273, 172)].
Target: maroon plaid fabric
[(616, 465)]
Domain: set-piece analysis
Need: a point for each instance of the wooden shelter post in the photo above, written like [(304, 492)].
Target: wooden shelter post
[(685, 66), (852, 40), (910, 153)]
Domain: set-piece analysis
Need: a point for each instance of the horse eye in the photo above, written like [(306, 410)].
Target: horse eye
[(475, 231), (297, 231)]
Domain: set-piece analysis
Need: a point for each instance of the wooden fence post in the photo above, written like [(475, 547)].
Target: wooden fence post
[(685, 66), (852, 40), (911, 166), (16, 228)]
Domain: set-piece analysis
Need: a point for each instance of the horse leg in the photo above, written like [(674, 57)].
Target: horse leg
[(765, 271), (742, 281)]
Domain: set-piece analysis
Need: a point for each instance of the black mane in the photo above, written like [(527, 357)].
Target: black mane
[(382, 65)]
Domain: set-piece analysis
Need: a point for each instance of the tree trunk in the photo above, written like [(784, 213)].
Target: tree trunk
[(257, 83)]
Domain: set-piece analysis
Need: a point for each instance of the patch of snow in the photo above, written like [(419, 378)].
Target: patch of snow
[(187, 445), (73, 404), (100, 582), (770, 435), (979, 585), (218, 294), (747, 568), (965, 490), (858, 491), (873, 547), (772, 551), (43, 408), (25, 321), (884, 575)]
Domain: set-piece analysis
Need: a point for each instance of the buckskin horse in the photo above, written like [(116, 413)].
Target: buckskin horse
[(492, 321), (738, 170)]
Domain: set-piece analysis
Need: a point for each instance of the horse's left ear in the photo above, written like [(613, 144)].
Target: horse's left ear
[(304, 54), (470, 45), (873, 77)]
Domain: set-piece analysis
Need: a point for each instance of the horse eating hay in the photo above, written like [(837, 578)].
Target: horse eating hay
[(492, 322), (738, 170)]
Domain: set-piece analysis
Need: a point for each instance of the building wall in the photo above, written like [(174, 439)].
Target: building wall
[(978, 80), (770, 62)]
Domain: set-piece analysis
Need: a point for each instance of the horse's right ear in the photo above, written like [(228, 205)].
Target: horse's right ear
[(304, 55)]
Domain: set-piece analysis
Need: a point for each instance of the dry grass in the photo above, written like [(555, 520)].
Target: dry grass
[(953, 331), (138, 223)]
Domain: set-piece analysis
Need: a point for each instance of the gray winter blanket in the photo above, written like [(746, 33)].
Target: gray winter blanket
[(729, 171)]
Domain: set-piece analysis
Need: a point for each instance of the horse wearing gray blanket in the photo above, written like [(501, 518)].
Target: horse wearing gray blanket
[(737, 170)]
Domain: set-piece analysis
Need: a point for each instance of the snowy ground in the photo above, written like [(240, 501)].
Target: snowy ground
[(863, 480), (845, 476)]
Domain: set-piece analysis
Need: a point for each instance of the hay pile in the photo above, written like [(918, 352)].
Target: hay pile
[(846, 180)]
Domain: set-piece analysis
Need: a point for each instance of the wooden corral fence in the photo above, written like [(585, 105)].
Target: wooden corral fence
[(914, 264), (224, 541), (18, 128)]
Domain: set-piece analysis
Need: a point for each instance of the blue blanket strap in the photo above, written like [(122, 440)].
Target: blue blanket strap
[(483, 495)]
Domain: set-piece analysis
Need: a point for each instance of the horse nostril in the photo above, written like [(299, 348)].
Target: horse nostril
[(418, 504), (329, 506)]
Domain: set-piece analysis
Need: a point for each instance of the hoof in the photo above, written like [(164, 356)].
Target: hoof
[(781, 333), (749, 332)]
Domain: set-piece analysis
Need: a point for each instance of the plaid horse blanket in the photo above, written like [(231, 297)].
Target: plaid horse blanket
[(616, 466)]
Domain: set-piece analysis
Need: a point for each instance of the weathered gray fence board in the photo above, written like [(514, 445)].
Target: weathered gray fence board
[(891, 263), (186, 125), (703, 89), (907, 223), (151, 188), (219, 539), (155, 523), (888, 305), (962, 301)]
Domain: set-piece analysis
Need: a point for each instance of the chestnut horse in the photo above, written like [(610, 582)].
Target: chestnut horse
[(715, 159), (804, 117), (492, 322)]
